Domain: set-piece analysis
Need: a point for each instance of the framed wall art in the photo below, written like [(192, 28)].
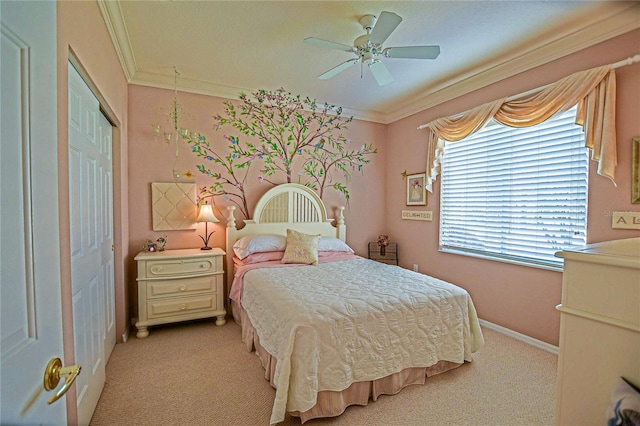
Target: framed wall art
[(416, 190), (635, 171), (173, 206)]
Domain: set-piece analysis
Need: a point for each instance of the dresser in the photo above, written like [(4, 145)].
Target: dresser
[(599, 328), (179, 285)]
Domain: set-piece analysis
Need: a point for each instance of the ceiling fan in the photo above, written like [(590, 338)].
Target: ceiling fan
[(368, 48)]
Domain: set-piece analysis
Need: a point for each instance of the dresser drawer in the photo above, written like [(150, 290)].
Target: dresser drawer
[(189, 286), (608, 291), (180, 306), (177, 267)]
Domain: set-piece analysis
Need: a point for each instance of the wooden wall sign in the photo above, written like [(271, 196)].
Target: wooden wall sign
[(417, 215)]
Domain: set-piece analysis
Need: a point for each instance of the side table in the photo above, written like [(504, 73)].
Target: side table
[(179, 285), (390, 255)]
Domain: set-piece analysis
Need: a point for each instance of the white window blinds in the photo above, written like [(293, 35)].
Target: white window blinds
[(516, 194)]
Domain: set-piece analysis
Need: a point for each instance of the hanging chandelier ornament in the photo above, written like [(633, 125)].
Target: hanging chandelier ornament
[(173, 131)]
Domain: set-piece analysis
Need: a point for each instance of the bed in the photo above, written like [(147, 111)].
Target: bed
[(333, 329)]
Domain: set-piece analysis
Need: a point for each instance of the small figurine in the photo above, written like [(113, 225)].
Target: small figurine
[(162, 241), (159, 244)]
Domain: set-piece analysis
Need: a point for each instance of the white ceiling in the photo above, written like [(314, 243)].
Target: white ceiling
[(222, 48)]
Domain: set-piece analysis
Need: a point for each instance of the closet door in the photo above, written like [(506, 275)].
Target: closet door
[(90, 204)]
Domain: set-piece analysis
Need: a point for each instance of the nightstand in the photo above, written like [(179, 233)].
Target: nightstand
[(390, 255), (179, 285)]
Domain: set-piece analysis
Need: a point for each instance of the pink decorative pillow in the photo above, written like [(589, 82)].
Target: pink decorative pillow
[(259, 257), (301, 248), (335, 256)]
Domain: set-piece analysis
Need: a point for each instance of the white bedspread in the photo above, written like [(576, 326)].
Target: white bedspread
[(342, 322)]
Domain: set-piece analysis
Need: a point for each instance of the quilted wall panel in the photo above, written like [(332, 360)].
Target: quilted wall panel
[(174, 206)]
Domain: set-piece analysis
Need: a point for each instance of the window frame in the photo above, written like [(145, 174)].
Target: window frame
[(511, 258)]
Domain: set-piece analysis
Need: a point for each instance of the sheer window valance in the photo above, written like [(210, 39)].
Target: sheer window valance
[(594, 91)]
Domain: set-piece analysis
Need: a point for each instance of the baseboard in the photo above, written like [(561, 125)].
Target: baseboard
[(126, 334), (522, 337)]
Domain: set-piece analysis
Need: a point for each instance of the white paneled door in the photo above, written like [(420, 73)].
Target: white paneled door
[(30, 296), (90, 210)]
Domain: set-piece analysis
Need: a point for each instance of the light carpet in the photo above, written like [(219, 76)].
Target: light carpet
[(198, 374)]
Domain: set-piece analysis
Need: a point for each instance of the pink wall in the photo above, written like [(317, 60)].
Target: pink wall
[(81, 29), (519, 298), (152, 161)]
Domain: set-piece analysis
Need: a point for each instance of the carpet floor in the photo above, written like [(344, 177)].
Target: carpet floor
[(198, 374)]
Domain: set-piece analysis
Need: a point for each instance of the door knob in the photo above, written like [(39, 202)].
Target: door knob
[(52, 375)]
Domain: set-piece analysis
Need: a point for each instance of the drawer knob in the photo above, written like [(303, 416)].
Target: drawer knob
[(183, 307), (183, 287), (202, 265)]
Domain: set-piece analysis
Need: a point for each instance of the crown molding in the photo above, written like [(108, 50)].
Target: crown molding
[(160, 81), (372, 116), (585, 31), (594, 26), (150, 79), (114, 20)]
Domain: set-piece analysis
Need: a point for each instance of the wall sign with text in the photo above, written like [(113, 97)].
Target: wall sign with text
[(417, 215), (625, 220)]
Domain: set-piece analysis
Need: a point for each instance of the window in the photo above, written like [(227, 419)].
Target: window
[(516, 194)]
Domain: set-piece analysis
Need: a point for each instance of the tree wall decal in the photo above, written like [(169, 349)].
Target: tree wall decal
[(275, 128)]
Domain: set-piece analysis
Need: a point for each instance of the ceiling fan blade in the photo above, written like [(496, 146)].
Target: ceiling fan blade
[(386, 23), (335, 70), (412, 52), (329, 44), (380, 73)]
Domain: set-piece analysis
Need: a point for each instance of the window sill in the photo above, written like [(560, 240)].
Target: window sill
[(504, 259)]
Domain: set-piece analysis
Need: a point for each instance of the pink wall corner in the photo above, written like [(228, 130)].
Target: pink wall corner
[(152, 160), (516, 297), (81, 29)]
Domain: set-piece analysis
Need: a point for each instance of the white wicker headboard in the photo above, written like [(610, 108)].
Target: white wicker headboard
[(286, 206)]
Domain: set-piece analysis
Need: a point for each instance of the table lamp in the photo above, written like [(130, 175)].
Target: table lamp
[(206, 215)]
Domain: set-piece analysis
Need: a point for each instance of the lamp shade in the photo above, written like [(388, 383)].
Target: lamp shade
[(206, 214)]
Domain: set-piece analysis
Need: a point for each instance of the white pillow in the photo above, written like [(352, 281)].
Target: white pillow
[(250, 244), (333, 244)]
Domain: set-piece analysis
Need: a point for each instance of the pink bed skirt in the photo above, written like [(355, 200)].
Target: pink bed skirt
[(333, 403)]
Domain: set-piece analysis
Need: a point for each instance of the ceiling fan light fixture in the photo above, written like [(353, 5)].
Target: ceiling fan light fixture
[(368, 48), (361, 41)]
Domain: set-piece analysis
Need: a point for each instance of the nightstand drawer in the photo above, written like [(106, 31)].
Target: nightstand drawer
[(179, 285), (188, 286), (179, 306), (177, 267)]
